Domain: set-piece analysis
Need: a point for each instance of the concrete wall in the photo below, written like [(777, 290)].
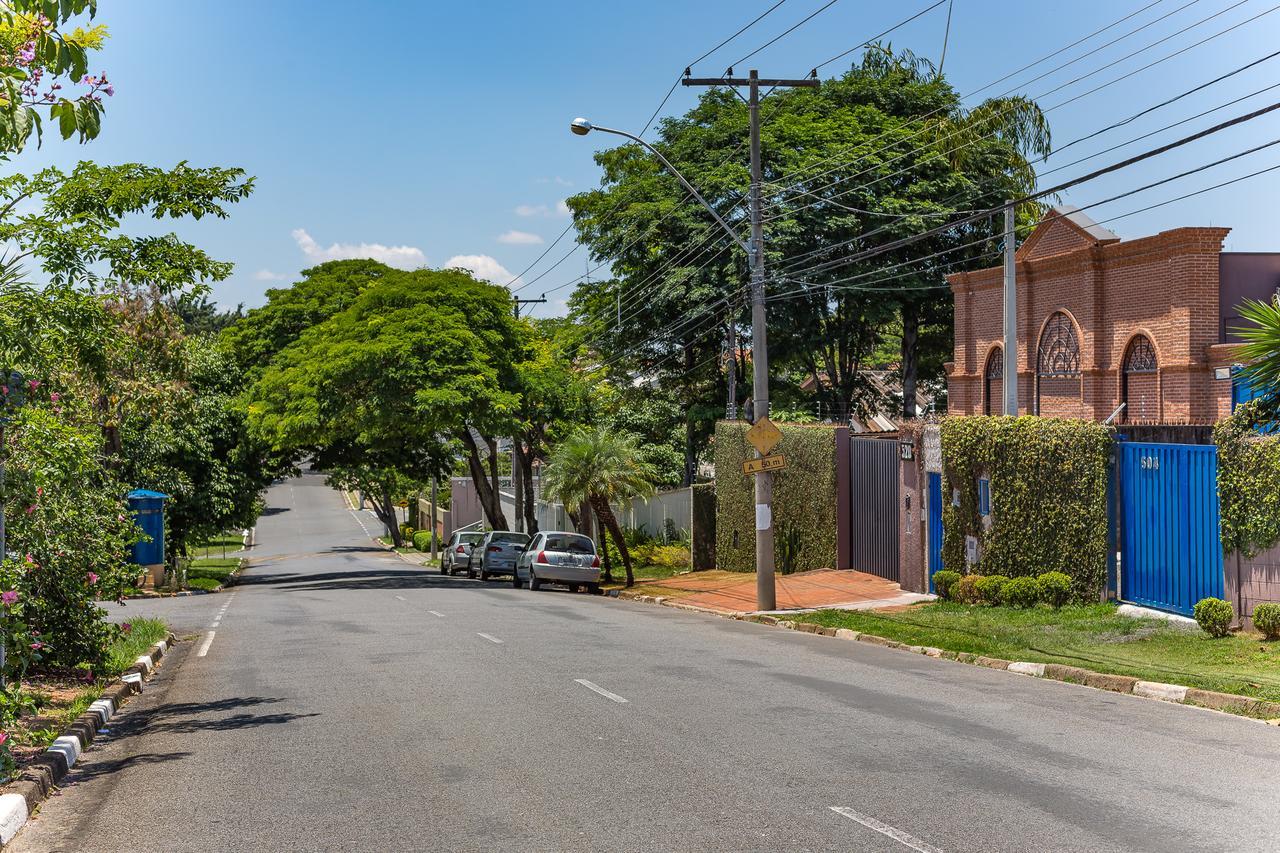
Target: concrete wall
[(1250, 581)]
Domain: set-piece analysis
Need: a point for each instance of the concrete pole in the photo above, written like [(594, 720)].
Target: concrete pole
[(766, 595), (435, 495), (731, 408), (1010, 316)]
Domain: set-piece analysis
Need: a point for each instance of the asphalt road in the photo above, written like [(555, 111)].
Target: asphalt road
[(350, 701)]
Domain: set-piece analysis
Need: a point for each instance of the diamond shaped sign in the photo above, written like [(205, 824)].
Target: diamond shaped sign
[(764, 436)]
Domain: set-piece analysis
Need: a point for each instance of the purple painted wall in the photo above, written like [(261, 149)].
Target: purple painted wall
[(1241, 276)]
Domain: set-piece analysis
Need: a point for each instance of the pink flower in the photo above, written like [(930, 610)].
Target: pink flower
[(93, 578), (30, 560), (126, 627), (9, 597), (37, 646), (55, 397), (31, 509), (4, 736), (33, 384)]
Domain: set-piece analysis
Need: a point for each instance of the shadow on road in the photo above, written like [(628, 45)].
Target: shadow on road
[(187, 717), (355, 579), (89, 772)]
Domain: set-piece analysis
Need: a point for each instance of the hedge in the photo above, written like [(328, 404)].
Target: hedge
[(1048, 486), (1248, 483), (804, 496)]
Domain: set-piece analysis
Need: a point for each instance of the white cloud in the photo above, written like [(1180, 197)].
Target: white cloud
[(481, 266), (562, 208), (519, 238), (532, 210), (564, 182), (268, 275), (405, 257)]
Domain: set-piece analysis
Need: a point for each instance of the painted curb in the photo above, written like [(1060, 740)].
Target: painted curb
[(1245, 707), (20, 798)]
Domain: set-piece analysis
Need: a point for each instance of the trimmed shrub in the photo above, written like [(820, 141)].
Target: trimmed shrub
[(990, 588), (804, 496), (422, 540), (965, 590), (1055, 588), (1048, 480), (1266, 618), (1214, 616), (1021, 592), (943, 581), (670, 556)]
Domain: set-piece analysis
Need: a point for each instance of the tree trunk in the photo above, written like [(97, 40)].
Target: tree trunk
[(385, 509), (910, 359), (609, 521), (525, 497), (690, 428), (490, 501), (494, 479)]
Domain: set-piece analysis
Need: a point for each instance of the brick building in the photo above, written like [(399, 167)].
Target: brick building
[(1103, 321)]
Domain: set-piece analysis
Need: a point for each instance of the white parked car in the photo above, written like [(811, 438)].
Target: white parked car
[(458, 552), (559, 557)]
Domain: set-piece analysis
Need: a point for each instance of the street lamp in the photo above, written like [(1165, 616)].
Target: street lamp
[(581, 127)]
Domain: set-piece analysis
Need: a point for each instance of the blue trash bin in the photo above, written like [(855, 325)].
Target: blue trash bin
[(147, 508)]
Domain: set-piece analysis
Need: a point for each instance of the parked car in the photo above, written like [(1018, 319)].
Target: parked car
[(496, 554), (458, 552), (559, 557)]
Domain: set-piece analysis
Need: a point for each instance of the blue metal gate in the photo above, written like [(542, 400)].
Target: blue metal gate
[(1171, 554), (935, 526)]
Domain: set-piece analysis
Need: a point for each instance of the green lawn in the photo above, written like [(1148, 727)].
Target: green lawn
[(211, 572), (222, 545), (1093, 637), (142, 635)]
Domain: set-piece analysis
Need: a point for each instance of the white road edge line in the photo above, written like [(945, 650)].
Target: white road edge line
[(436, 613), (401, 597), (489, 637), (598, 689), (215, 623), (884, 829), (204, 647)]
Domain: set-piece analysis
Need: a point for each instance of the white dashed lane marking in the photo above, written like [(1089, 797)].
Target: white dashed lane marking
[(489, 637), (590, 685), (204, 647), (885, 829)]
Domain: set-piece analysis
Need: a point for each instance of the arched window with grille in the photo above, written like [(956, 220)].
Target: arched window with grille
[(1058, 376), (993, 383), (1140, 382)]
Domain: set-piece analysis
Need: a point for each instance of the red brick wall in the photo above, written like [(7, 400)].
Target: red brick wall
[(1164, 287)]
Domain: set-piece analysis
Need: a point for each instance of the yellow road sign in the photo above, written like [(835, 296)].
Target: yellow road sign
[(764, 436), (765, 463)]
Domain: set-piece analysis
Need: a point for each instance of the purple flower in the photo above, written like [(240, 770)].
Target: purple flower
[(9, 597), (110, 90)]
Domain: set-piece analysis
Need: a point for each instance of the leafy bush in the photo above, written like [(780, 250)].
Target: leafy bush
[(1048, 479), (1021, 592), (1248, 482), (990, 588), (965, 590), (1266, 618), (787, 545), (670, 556), (1214, 616), (406, 532), (1055, 588), (422, 540), (943, 581)]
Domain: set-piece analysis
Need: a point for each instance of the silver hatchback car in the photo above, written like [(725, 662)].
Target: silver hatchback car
[(559, 557), (458, 552), (496, 554)]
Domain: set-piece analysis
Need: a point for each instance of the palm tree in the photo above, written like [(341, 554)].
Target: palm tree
[(1261, 352), (599, 468)]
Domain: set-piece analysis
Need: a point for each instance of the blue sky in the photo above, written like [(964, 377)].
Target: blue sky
[(432, 132)]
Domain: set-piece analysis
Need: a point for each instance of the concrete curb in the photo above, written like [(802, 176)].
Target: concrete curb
[(20, 798), (183, 593), (1247, 707)]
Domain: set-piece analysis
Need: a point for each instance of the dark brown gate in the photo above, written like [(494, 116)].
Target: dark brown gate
[(873, 506)]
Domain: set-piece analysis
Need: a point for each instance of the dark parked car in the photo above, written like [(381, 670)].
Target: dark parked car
[(496, 554)]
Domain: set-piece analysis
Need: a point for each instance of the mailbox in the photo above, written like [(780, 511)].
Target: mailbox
[(147, 508)]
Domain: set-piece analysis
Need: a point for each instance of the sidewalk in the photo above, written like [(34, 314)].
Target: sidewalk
[(801, 591)]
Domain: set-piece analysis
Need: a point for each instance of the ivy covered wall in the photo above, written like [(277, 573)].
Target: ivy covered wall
[(1248, 483), (804, 498), (1048, 497)]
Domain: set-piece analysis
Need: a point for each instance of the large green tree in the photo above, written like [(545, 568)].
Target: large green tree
[(382, 390), (884, 151)]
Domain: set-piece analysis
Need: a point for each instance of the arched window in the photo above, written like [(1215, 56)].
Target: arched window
[(993, 383), (1140, 381), (1058, 378)]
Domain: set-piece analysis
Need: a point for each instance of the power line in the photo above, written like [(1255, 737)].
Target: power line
[(787, 32), (896, 26)]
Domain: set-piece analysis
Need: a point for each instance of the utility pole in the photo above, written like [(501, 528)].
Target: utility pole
[(731, 408), (766, 594), (1010, 316), (517, 301), (435, 495)]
